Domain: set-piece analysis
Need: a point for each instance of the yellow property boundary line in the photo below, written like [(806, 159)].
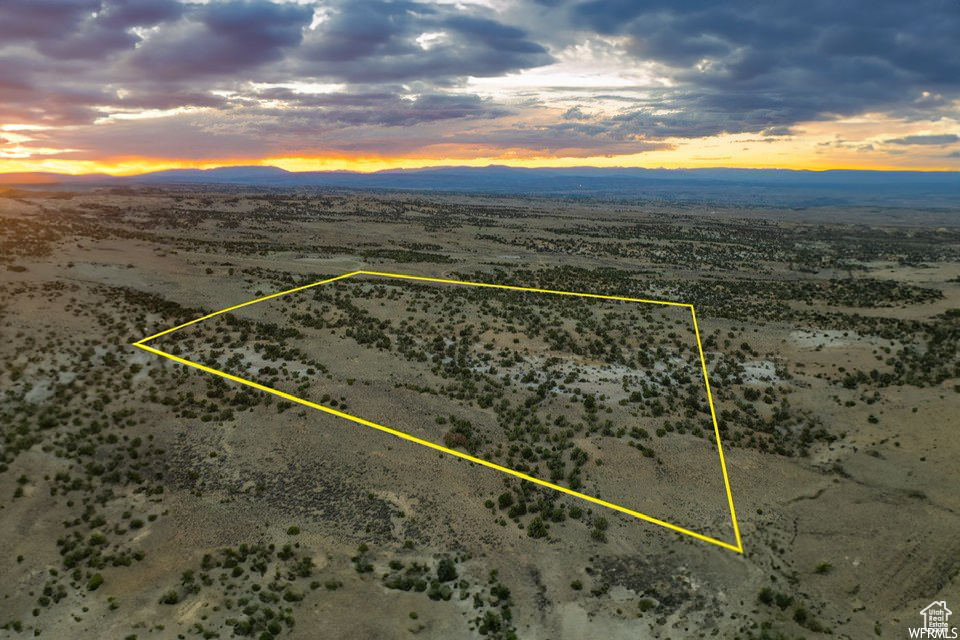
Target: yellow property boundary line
[(738, 547)]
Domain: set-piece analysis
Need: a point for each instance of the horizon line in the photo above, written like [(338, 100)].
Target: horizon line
[(187, 167)]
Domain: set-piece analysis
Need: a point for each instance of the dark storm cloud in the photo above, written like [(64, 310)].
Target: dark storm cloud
[(123, 14), (746, 66), (345, 99), (94, 41), (702, 116), (315, 127), (946, 138), (31, 93), (305, 112), (79, 29), (168, 100), (494, 35), (438, 106), (107, 31), (30, 20), (39, 20), (22, 100), (364, 29), (64, 79), (223, 38), (376, 41), (93, 61), (361, 41), (740, 67)]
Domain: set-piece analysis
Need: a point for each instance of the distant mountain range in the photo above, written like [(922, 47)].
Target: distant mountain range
[(758, 186)]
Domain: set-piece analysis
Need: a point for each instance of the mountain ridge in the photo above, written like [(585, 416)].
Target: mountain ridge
[(769, 186)]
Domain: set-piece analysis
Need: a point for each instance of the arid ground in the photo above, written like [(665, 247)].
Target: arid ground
[(140, 498)]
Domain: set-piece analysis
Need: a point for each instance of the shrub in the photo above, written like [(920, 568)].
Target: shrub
[(439, 591), (765, 596), (491, 624), (537, 528), (454, 440), (517, 510), (292, 595), (800, 615), (446, 570), (95, 582), (783, 600)]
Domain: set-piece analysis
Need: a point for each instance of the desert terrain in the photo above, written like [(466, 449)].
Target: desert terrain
[(141, 498)]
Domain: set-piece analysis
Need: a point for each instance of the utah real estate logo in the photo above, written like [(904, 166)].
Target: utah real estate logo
[(936, 622)]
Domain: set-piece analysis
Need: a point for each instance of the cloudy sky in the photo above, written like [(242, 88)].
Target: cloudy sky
[(130, 85)]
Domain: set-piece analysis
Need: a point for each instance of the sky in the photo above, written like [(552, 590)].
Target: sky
[(126, 86)]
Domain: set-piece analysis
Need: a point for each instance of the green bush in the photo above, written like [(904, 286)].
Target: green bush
[(446, 570), (537, 528), (439, 591), (783, 600), (292, 595), (95, 582), (800, 615)]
